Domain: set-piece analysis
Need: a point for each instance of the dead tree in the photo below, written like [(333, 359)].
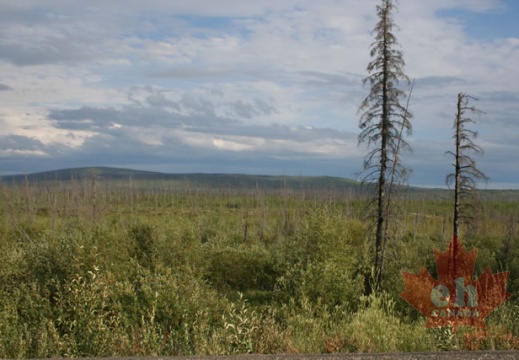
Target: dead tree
[(466, 175), (383, 123)]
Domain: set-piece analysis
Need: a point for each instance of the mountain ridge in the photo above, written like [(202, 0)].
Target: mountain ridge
[(235, 181), (213, 180)]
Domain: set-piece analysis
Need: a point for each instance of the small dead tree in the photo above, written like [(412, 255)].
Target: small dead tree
[(466, 175)]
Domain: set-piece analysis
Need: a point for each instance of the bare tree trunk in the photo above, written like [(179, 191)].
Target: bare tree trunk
[(465, 171), (391, 190), (379, 257), (457, 166)]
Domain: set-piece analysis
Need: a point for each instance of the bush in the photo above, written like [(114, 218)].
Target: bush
[(143, 244), (241, 269), (87, 316), (331, 264), (375, 328)]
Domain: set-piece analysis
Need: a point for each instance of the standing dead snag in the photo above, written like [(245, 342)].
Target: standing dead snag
[(383, 122), (465, 174)]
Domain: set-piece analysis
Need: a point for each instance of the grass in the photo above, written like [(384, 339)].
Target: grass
[(93, 267)]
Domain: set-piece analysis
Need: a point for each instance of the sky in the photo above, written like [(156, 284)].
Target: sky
[(253, 87)]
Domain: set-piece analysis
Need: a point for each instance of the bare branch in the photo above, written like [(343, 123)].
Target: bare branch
[(383, 123), (465, 174)]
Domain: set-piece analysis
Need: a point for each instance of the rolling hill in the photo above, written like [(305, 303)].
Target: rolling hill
[(237, 181), (202, 180)]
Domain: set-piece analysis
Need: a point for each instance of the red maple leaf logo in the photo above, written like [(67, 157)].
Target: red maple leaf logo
[(455, 299)]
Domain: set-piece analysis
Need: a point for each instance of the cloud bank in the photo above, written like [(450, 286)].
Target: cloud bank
[(269, 87)]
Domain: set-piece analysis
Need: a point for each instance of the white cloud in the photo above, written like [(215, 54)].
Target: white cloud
[(241, 79)]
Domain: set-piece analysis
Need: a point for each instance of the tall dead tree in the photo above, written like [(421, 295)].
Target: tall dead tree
[(383, 123), (466, 174)]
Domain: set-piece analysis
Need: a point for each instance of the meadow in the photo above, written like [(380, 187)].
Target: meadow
[(133, 267)]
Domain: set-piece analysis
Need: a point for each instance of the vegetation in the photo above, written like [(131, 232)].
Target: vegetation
[(383, 123), (131, 267), (114, 262)]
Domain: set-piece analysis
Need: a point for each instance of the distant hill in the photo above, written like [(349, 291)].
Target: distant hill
[(81, 173), (238, 182), (212, 181)]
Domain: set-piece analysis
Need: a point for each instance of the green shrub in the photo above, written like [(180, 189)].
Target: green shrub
[(143, 244), (87, 316), (375, 328), (171, 312), (241, 325), (23, 332), (241, 269), (331, 264)]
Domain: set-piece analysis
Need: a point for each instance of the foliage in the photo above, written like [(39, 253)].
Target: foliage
[(143, 247), (240, 325), (162, 274), (374, 325)]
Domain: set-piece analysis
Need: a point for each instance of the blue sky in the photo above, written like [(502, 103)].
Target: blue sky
[(499, 22), (234, 86)]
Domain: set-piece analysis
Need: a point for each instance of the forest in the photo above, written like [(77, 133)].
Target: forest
[(100, 266)]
